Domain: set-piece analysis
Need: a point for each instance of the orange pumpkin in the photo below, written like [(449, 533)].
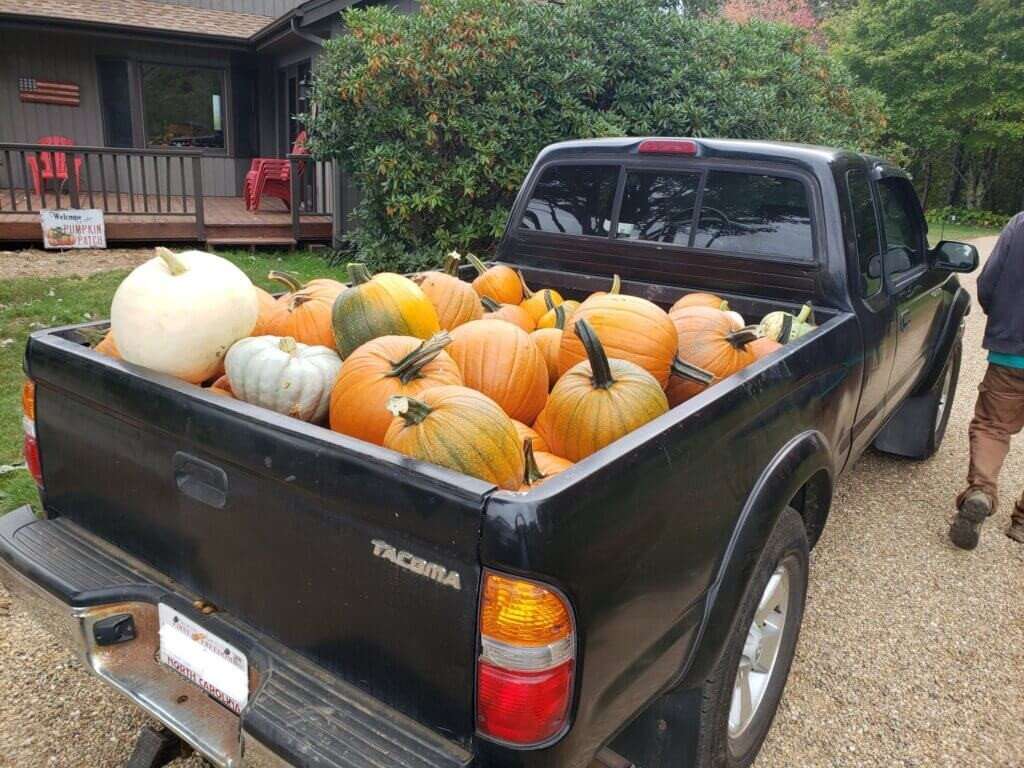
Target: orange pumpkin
[(304, 313), (268, 307), (221, 387), (550, 318), (378, 370), (499, 283), (529, 433), (708, 339), (538, 303), (461, 429), (540, 466), (549, 342), (501, 360), (762, 346), (701, 300), (597, 401), (107, 346), (455, 301), (630, 328), (510, 313)]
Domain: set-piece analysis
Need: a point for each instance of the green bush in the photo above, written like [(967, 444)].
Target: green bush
[(967, 217), (438, 115)]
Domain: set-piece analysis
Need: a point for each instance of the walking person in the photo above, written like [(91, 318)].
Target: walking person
[(999, 413)]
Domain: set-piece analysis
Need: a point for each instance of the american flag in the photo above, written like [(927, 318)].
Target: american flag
[(48, 92)]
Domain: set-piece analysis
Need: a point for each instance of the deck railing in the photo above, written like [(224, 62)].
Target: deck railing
[(119, 181), (312, 188)]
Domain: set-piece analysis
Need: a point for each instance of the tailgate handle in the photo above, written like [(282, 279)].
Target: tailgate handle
[(205, 482)]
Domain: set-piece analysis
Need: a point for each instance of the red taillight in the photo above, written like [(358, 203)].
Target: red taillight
[(31, 451), (668, 147), (523, 707), (30, 448), (527, 661)]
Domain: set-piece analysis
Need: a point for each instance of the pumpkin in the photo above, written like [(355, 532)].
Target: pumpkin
[(630, 328), (701, 300), (283, 375), (539, 466), (708, 339), (615, 288), (736, 318), (680, 390), (267, 306), (304, 312), (529, 433), (549, 342), (763, 346), (597, 401), (180, 313), (550, 318), (499, 283), (380, 369), (501, 360), (382, 305), (222, 386), (454, 301), (538, 303), (107, 346), (510, 313), (783, 327), (458, 428)]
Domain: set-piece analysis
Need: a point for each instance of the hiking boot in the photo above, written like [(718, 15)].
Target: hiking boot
[(1016, 531), (966, 527)]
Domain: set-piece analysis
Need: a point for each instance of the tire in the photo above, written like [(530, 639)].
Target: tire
[(917, 429), (729, 737)]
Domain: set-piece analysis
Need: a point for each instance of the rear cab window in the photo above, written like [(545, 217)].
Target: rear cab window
[(720, 210)]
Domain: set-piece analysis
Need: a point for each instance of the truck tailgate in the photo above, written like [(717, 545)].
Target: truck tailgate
[(333, 547)]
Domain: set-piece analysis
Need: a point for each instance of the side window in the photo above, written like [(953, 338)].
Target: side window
[(869, 250), (573, 200), (657, 206), (755, 213), (904, 237)]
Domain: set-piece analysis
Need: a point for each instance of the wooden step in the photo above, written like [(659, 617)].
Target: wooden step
[(251, 241)]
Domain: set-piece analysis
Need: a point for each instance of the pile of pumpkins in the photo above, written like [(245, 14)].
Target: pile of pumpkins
[(487, 378)]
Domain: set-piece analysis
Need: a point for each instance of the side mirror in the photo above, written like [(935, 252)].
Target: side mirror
[(955, 257)]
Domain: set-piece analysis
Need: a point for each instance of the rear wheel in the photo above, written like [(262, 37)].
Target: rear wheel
[(742, 696)]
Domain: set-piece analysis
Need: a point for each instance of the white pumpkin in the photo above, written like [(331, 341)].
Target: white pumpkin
[(180, 313), (737, 319), (283, 375)]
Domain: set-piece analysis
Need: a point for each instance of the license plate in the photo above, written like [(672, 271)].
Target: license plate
[(217, 667)]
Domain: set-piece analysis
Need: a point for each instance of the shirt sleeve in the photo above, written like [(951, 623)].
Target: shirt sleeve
[(989, 277)]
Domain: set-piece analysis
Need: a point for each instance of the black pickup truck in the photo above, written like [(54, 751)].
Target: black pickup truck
[(279, 594)]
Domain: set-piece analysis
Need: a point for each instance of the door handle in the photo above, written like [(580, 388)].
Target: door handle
[(205, 482), (904, 319)]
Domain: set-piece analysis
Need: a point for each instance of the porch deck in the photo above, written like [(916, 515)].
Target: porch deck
[(159, 218)]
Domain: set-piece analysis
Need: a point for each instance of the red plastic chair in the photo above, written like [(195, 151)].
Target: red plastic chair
[(53, 165), (271, 177)]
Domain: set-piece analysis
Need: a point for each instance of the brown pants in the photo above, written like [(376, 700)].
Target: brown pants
[(998, 415)]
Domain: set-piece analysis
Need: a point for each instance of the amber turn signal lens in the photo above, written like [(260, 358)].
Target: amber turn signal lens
[(28, 399), (522, 613)]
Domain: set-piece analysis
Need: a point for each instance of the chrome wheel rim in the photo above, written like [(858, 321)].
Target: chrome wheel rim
[(760, 652), (947, 386)]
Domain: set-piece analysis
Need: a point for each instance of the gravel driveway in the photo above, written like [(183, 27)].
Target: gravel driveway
[(912, 652)]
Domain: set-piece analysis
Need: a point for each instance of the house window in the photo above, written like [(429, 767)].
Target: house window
[(182, 106), (115, 96)]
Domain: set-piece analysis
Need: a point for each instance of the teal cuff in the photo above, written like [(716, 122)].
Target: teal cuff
[(1007, 361)]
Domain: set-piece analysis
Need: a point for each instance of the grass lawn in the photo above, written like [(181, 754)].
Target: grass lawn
[(938, 232), (28, 304)]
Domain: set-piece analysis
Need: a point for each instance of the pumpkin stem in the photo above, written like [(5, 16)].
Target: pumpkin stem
[(616, 285), (358, 273), (410, 367), (289, 280), (690, 371), (742, 337), (724, 306), (532, 474), (452, 262), (522, 281), (173, 262), (490, 304), (560, 317), (787, 329), (548, 301), (478, 265), (287, 344), (409, 409), (601, 371), (805, 313)]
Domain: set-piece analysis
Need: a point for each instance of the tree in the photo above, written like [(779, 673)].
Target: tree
[(438, 115), (952, 72)]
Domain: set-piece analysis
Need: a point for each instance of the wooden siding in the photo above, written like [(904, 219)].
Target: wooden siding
[(72, 56)]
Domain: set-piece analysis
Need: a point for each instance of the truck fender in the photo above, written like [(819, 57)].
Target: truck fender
[(666, 731), (952, 329)]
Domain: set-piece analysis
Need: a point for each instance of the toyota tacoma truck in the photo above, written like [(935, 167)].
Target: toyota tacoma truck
[(278, 594)]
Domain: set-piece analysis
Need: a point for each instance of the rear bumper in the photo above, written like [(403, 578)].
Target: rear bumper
[(297, 715)]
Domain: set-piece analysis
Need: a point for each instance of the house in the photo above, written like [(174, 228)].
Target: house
[(169, 100)]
